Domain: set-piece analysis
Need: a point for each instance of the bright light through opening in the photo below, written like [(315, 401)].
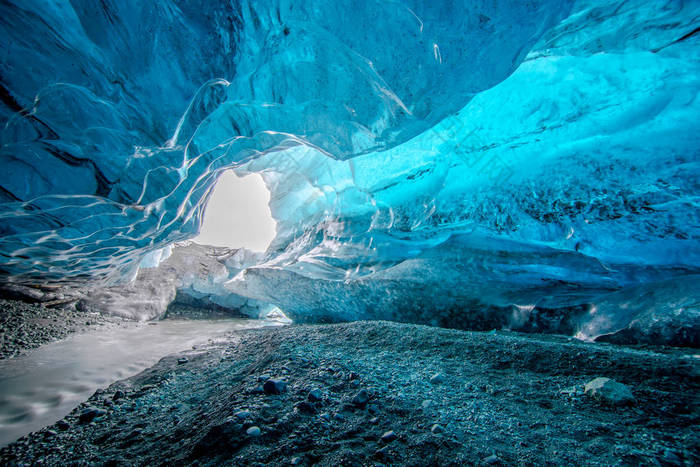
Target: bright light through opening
[(238, 214)]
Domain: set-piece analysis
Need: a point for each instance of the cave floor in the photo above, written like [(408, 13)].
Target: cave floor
[(500, 398)]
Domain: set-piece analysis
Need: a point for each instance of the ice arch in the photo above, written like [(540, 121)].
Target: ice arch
[(510, 162), (118, 117)]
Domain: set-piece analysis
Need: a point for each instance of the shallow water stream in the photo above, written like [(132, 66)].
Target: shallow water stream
[(43, 386)]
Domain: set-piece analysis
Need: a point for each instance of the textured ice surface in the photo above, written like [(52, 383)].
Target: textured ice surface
[(196, 273), (117, 117), (428, 161)]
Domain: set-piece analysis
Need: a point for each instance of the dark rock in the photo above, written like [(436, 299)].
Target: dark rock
[(389, 436), (315, 395), (436, 429), (88, 414), (274, 386), (182, 360), (493, 459), (62, 425), (361, 398), (306, 407), (118, 395)]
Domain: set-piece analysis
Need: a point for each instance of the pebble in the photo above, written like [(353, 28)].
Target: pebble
[(242, 415), (253, 431), (62, 425), (182, 360), (493, 459), (609, 391), (436, 429), (437, 378), (325, 416), (90, 413), (306, 407), (274, 386), (118, 395), (389, 436), (315, 395), (361, 398)]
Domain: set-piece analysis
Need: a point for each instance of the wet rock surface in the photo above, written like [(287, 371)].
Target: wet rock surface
[(504, 399), (25, 326)]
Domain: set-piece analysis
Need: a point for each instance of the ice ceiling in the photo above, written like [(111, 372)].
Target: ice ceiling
[(421, 156)]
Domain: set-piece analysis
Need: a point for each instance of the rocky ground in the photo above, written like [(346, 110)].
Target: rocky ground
[(378, 393), (25, 326)]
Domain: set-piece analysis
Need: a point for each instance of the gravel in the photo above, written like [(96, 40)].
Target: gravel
[(505, 399), (26, 326)]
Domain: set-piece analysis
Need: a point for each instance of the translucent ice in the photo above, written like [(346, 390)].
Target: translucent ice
[(117, 117), (466, 163)]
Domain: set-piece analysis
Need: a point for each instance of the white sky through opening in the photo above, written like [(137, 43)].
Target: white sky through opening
[(238, 214)]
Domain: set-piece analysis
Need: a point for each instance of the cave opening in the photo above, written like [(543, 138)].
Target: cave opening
[(237, 214)]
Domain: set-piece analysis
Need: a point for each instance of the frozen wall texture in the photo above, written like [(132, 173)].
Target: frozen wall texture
[(477, 161)]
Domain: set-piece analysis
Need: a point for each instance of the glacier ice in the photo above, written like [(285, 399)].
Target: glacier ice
[(188, 272), (463, 163), (117, 117)]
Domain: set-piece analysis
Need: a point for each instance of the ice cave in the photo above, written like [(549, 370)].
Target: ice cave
[(350, 232)]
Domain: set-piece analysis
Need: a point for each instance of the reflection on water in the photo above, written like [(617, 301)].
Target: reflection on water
[(42, 387)]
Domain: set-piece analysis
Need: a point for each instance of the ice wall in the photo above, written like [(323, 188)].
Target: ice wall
[(530, 208)]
